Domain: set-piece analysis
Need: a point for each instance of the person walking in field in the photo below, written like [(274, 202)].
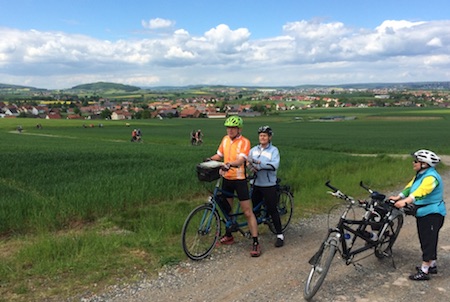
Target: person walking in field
[(233, 150), (426, 192), (264, 160)]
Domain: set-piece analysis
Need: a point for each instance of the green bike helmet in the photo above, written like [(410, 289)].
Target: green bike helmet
[(234, 121)]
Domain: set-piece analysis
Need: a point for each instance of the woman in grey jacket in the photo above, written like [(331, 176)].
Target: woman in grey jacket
[(265, 160)]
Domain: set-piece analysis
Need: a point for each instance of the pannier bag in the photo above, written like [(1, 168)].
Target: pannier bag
[(208, 171)]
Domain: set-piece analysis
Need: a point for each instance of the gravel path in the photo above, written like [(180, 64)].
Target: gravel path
[(230, 274)]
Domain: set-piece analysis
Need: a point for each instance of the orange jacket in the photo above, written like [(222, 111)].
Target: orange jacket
[(230, 150)]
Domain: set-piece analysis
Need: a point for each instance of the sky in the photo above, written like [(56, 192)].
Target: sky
[(58, 44)]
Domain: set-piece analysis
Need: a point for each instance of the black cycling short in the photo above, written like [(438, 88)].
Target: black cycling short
[(239, 186)]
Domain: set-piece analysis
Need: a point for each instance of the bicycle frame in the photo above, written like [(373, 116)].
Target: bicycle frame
[(202, 227), (348, 226), (231, 219), (380, 215)]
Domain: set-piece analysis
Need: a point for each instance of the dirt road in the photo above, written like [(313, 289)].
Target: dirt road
[(230, 274)]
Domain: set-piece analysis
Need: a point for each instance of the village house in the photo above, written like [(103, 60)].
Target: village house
[(53, 116), (190, 113), (121, 115), (11, 111), (74, 117)]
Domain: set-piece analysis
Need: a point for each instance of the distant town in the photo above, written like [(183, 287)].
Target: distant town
[(121, 102)]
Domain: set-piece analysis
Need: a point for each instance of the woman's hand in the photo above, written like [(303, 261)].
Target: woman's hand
[(400, 204), (395, 198)]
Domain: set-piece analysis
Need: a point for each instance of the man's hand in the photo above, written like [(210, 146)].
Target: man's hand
[(226, 167)]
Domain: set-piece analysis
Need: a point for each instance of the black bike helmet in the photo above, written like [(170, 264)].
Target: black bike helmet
[(265, 129)]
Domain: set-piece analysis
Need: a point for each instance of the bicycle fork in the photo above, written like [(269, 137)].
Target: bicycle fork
[(331, 240)]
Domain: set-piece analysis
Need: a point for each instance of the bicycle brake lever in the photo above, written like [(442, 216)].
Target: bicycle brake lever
[(337, 194), (391, 202)]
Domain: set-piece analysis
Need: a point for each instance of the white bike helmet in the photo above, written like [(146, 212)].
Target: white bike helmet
[(427, 156)]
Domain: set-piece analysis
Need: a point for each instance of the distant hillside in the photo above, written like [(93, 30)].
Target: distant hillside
[(102, 86), (18, 87), (411, 85), (444, 85), (106, 87)]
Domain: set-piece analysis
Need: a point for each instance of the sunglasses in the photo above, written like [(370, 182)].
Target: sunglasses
[(416, 161)]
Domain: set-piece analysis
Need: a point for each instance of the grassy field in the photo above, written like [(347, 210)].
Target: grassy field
[(82, 206)]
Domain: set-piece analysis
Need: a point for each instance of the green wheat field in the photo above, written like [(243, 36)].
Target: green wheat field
[(80, 205)]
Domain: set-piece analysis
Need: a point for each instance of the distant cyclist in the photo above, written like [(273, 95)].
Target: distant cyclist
[(193, 139), (234, 150), (264, 160), (138, 135), (199, 137), (134, 135)]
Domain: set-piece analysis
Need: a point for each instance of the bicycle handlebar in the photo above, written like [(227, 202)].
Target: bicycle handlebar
[(337, 193), (373, 194), (361, 184), (331, 187), (376, 195), (254, 162)]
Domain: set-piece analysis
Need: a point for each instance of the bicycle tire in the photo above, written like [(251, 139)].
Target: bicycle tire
[(387, 240), (200, 232), (320, 266), (285, 207)]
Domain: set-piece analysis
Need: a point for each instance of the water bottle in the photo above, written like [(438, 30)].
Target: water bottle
[(370, 235), (348, 240)]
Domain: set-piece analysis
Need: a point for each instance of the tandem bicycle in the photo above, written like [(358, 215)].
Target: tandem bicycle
[(202, 227), (378, 229)]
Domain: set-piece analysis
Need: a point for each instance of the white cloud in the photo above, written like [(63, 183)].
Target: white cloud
[(177, 52), (435, 42), (222, 35), (157, 23), (306, 52)]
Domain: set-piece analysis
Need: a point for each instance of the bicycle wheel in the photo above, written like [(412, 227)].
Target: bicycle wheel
[(200, 232), (320, 262), (387, 239), (285, 207)]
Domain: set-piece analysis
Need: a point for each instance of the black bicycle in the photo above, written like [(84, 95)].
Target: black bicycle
[(202, 227), (378, 230)]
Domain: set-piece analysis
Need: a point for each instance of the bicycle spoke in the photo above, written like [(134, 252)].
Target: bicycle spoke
[(388, 238), (321, 263), (200, 233), (285, 207)]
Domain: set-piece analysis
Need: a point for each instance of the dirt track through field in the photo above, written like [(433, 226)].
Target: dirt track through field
[(230, 274)]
